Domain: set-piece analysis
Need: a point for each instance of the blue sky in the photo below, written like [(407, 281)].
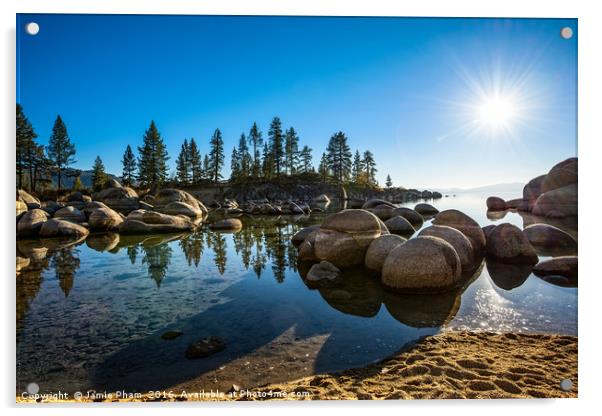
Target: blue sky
[(415, 91)]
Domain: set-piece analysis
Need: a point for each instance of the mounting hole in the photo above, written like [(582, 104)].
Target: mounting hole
[(566, 32), (32, 28), (566, 384)]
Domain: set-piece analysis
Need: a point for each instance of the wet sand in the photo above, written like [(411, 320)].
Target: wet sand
[(451, 365)]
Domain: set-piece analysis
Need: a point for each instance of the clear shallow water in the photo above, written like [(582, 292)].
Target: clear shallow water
[(90, 315)]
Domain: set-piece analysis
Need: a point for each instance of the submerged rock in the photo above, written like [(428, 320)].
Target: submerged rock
[(205, 347), (423, 264), (323, 271), (458, 241), (466, 225), (379, 249), (170, 335), (507, 243)]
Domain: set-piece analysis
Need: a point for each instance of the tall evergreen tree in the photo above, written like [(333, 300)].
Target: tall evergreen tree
[(268, 162), (60, 150), (183, 168), (305, 160), (206, 168), (256, 141), (196, 168), (291, 150), (244, 157), (152, 162), (129, 166), (369, 166), (26, 148), (339, 157), (216, 156), (357, 169), (389, 182), (99, 176), (323, 168), (235, 172), (276, 140)]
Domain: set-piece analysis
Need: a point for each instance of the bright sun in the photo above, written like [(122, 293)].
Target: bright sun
[(496, 112)]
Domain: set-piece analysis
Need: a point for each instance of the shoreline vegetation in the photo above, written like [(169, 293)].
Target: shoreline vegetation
[(450, 365), (368, 230)]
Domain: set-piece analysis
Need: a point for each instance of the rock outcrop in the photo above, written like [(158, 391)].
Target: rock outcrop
[(507, 243)]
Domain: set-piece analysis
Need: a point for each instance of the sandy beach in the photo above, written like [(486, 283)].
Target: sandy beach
[(452, 365)]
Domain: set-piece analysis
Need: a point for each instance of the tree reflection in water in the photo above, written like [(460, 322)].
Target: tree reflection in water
[(65, 262)]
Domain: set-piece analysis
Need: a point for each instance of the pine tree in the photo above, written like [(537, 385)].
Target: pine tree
[(369, 166), (323, 168), (206, 168), (305, 160), (60, 150), (339, 157), (129, 166), (268, 162), (152, 162), (183, 168), (26, 148), (194, 156), (245, 160), (77, 184), (291, 150), (216, 156), (235, 171), (99, 176), (389, 182), (276, 141), (256, 141), (357, 168)]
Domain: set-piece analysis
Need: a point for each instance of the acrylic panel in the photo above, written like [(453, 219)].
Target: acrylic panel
[(295, 208)]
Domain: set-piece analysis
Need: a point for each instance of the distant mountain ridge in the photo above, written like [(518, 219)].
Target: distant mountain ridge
[(509, 187), (85, 177)]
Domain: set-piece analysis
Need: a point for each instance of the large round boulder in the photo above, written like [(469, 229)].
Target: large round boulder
[(372, 203), (458, 241), (228, 224), (379, 249), (149, 222), (181, 208), (562, 174), (495, 203), (384, 212), (424, 265), (399, 225), (566, 266), (70, 213), (546, 235), (300, 236), (61, 228), (409, 214), (30, 223), (532, 190), (345, 236), (507, 243), (462, 222), (122, 199), (21, 207), (559, 202), (165, 197), (31, 201), (104, 219), (425, 209)]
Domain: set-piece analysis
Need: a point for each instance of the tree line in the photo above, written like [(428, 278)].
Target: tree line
[(253, 158)]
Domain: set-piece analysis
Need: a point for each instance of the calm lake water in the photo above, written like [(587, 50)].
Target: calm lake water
[(90, 316)]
